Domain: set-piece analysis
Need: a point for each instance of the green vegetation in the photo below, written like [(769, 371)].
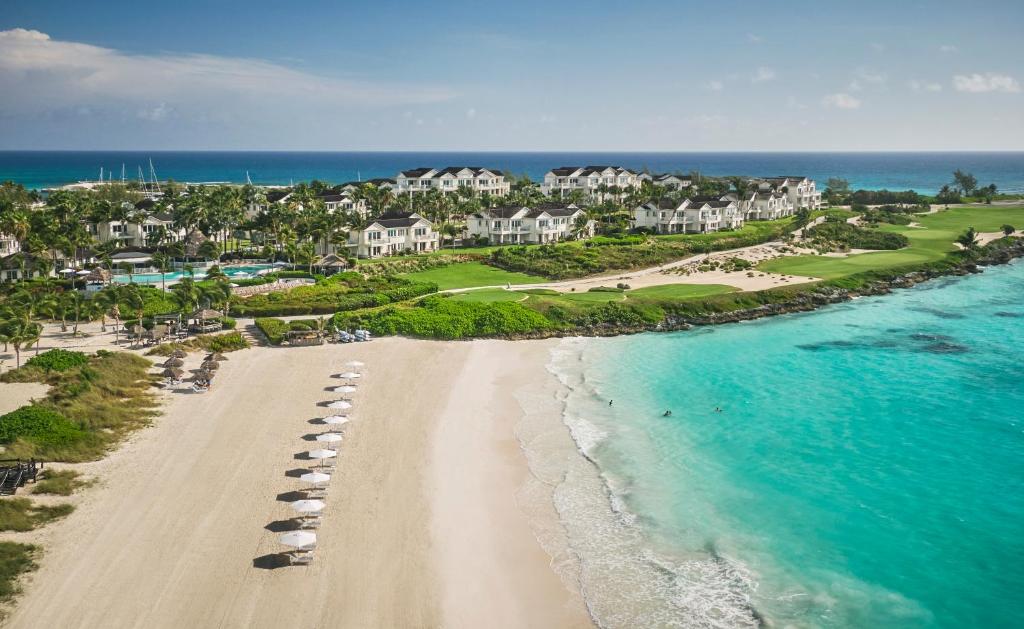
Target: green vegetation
[(21, 514), (571, 260), (273, 329), (932, 242), (470, 275), (443, 318), (228, 342), (490, 295), (845, 235), (87, 409), (680, 291), (60, 483), (57, 360), (15, 560), (341, 292)]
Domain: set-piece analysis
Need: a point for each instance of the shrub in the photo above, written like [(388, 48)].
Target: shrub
[(442, 318), (57, 360), (39, 425), (21, 514), (228, 323), (15, 559), (274, 329), (856, 237), (59, 483)]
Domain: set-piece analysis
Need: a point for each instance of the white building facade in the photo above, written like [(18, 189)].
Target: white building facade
[(394, 234), (588, 179), (523, 225), (689, 216), (447, 180)]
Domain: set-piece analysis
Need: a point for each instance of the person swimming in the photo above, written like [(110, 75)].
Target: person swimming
[(610, 402), (667, 414), (718, 410)]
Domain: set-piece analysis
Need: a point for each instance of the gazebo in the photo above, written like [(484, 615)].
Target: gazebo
[(206, 320)]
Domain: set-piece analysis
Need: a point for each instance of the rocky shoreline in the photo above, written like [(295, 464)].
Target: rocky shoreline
[(812, 299)]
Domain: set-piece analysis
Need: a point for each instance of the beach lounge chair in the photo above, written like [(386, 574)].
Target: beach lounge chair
[(309, 523), (300, 557)]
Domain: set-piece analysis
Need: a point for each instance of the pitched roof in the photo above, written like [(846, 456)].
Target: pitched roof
[(506, 211)]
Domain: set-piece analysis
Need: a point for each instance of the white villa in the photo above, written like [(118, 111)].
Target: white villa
[(695, 215), (587, 179), (8, 245), (801, 191), (450, 179), (523, 225), (381, 182), (668, 180), (137, 234), (343, 202), (392, 234)]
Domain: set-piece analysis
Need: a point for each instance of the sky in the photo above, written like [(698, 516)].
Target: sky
[(729, 75)]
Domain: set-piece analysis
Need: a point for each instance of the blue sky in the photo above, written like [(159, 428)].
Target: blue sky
[(384, 75)]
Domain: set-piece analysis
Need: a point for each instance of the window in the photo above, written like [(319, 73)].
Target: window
[(392, 233), (496, 225), (420, 232), (117, 229), (373, 235), (517, 224)]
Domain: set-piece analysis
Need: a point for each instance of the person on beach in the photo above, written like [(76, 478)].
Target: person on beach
[(610, 402), (667, 414)]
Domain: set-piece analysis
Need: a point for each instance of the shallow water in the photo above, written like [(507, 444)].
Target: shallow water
[(866, 468)]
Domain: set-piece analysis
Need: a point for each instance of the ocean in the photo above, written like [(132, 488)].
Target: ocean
[(857, 466), (924, 172)]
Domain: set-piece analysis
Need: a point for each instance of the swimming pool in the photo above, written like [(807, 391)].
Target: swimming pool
[(240, 271)]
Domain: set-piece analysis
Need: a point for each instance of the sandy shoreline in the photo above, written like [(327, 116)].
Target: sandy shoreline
[(422, 527)]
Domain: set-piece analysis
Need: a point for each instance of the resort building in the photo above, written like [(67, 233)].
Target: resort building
[(381, 182), (695, 215), (343, 201), (590, 180), (394, 234), (153, 228), (8, 245), (450, 179), (667, 180), (523, 225), (801, 191)]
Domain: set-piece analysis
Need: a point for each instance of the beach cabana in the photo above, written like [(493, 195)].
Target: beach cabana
[(206, 320)]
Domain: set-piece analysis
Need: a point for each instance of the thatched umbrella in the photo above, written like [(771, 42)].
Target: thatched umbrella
[(173, 362), (210, 365), (171, 372), (218, 357), (179, 353)]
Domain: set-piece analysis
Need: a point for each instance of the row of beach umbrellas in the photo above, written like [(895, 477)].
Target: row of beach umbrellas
[(303, 540), (173, 365)]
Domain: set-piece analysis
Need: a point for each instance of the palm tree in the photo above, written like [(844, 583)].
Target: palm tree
[(162, 263), (21, 332), (968, 239)]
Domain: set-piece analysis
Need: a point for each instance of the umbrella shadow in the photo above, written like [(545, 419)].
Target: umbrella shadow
[(297, 472), (310, 437), (272, 561), (291, 496), (282, 526)]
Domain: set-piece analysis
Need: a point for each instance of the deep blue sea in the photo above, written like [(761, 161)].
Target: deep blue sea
[(924, 172), (866, 468)]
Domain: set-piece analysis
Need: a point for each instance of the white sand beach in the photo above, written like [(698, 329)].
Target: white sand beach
[(421, 529)]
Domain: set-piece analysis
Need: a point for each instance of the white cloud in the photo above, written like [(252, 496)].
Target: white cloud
[(715, 86), (948, 48), (863, 77), (841, 100), (988, 82), (924, 86), (755, 39), (763, 74), (40, 74)]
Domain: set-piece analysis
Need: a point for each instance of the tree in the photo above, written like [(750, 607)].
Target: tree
[(208, 250), (21, 332), (579, 225), (947, 195), (1008, 230), (966, 183), (968, 239), (162, 263)]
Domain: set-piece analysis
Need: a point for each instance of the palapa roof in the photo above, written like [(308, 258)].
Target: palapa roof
[(207, 313)]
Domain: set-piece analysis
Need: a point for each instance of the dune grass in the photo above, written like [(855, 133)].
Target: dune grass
[(226, 342), (105, 400), (471, 275), (21, 514), (15, 559), (60, 483)]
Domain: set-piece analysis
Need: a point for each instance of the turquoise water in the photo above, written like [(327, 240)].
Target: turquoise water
[(173, 276), (924, 172), (866, 468)]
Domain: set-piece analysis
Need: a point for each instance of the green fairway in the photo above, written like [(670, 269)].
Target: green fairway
[(490, 295), (930, 242), (681, 291), (470, 275)]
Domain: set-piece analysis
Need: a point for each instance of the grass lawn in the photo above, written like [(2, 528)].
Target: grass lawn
[(471, 275), (681, 291), (930, 242), (489, 295)]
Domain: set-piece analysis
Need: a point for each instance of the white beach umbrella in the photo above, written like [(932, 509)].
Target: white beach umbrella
[(67, 270), (308, 506), (322, 454), (83, 272), (336, 420), (315, 477), (349, 374), (298, 539), (329, 437), (342, 404), (355, 363), (345, 388)]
